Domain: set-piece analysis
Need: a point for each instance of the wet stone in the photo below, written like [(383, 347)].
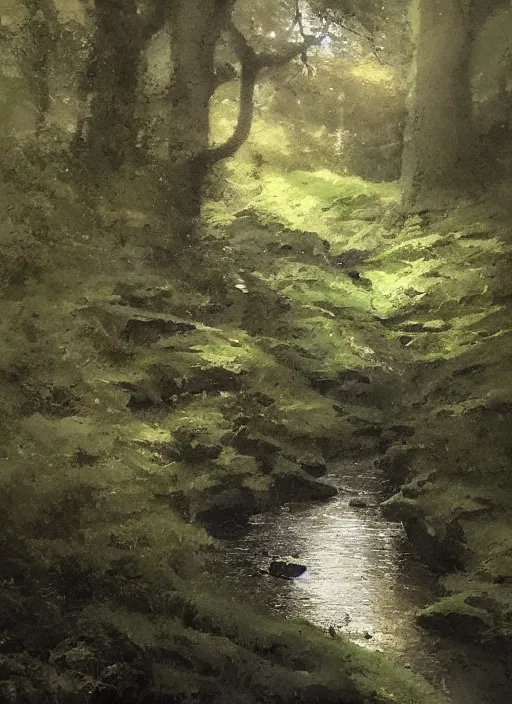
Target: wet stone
[(225, 509), (400, 507), (359, 503), (395, 462), (356, 560), (301, 487), (285, 568)]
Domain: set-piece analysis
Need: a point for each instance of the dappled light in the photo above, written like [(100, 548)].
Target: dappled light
[(256, 366)]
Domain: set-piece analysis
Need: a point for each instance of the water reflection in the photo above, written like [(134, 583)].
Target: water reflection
[(359, 577)]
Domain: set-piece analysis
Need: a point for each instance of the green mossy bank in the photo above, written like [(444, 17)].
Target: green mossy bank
[(428, 299), (145, 400), (456, 468), (149, 402)]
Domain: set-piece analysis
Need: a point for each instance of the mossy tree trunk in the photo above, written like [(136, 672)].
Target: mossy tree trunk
[(106, 137), (195, 29), (440, 157), (439, 149), (42, 33)]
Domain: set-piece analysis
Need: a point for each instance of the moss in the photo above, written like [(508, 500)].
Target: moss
[(301, 198), (454, 322), (309, 201), (455, 615), (401, 508), (317, 288), (306, 649)]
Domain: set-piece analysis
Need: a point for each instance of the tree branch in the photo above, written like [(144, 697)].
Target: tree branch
[(367, 36), (249, 73), (252, 64), (299, 20)]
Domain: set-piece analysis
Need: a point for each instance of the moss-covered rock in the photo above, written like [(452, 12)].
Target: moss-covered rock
[(429, 330), (401, 508), (461, 615), (454, 322), (289, 480)]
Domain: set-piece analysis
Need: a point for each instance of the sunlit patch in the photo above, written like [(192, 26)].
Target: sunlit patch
[(374, 72)]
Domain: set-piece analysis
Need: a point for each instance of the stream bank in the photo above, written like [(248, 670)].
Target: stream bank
[(140, 403), (143, 398)]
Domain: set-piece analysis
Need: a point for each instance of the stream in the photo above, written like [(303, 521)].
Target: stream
[(362, 580)]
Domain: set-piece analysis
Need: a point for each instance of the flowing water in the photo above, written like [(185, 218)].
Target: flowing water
[(362, 580)]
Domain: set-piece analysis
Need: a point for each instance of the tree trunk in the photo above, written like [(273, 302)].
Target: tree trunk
[(43, 32), (439, 151), (195, 28), (107, 136), (195, 31), (109, 85)]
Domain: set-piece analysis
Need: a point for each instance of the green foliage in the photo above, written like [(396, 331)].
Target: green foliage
[(141, 397)]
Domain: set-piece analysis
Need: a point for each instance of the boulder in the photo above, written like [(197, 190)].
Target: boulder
[(263, 448), (458, 615), (299, 486), (146, 329), (396, 463), (401, 508), (434, 545), (224, 507)]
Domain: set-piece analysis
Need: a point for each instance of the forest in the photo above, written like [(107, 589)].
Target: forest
[(256, 354)]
